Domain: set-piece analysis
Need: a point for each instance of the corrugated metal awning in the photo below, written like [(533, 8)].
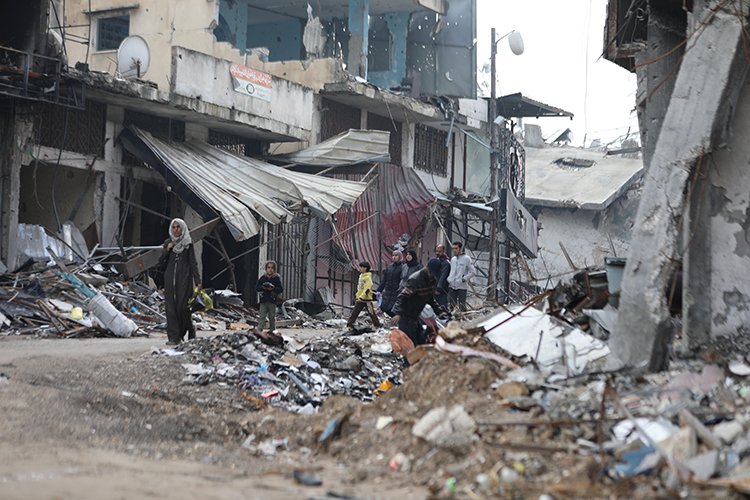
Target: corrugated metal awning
[(403, 202), (238, 187), (347, 148)]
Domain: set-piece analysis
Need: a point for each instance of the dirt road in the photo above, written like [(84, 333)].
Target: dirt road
[(104, 418)]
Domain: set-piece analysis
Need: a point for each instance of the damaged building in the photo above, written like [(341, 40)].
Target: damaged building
[(585, 202), (317, 135), (691, 62)]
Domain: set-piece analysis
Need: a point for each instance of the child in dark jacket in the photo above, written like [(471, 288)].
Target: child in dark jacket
[(269, 286)]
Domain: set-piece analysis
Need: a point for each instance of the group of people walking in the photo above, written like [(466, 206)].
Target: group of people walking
[(406, 287)]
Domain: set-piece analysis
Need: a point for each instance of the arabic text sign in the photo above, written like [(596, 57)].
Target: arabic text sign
[(251, 82)]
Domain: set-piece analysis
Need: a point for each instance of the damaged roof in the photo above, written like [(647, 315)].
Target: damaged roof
[(577, 178), (348, 148), (238, 187), (519, 106)]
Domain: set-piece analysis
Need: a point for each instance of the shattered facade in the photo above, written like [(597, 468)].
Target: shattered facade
[(215, 75)]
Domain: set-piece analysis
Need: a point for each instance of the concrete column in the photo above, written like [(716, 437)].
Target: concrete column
[(398, 25), (706, 90), (16, 133), (657, 77), (263, 250), (359, 33), (407, 144), (317, 119), (108, 218)]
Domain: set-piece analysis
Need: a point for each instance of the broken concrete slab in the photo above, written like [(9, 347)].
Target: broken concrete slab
[(448, 428), (552, 343), (705, 465), (728, 431)]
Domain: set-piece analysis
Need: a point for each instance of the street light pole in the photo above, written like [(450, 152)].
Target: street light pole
[(516, 46), (492, 267)]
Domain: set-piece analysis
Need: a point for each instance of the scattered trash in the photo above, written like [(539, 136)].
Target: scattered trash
[(383, 422), (332, 429), (307, 478), (400, 342), (400, 462), (448, 428)]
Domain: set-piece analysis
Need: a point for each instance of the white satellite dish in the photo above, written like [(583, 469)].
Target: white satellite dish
[(133, 57)]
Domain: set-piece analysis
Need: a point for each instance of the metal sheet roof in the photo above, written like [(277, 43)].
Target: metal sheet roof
[(238, 187), (519, 106), (403, 201), (347, 148)]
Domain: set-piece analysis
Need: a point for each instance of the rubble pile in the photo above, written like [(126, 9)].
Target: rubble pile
[(297, 376), (47, 301), (473, 428)]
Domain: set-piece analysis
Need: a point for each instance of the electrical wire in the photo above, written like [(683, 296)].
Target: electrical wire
[(60, 27), (88, 42)]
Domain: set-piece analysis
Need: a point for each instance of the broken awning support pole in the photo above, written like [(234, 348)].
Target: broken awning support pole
[(705, 93)]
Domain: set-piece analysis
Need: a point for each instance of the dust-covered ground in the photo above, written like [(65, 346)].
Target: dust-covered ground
[(104, 418), (107, 418)]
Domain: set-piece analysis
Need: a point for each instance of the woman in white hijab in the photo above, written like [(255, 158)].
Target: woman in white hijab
[(180, 275)]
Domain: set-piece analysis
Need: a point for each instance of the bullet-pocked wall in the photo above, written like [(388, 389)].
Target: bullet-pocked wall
[(717, 262), (162, 24)]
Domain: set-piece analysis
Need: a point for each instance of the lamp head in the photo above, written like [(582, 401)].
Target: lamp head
[(516, 42)]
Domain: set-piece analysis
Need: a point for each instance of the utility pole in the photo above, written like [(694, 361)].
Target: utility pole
[(492, 267)]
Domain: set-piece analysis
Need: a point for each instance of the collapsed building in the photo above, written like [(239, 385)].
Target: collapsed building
[(318, 137), (691, 62)]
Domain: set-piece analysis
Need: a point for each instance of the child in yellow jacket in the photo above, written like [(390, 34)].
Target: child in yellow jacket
[(364, 297)]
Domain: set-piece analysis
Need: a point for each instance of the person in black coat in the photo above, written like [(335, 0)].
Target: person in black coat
[(440, 269), (418, 292), (269, 286), (412, 265), (180, 274), (390, 282)]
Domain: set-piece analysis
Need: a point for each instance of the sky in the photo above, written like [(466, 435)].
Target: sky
[(561, 64)]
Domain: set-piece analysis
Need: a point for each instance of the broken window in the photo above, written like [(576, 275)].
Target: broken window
[(239, 145), (625, 31), (380, 45), (111, 31), (430, 150), (338, 118)]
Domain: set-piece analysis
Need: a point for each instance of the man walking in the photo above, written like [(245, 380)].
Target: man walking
[(462, 270), (418, 292), (390, 282)]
